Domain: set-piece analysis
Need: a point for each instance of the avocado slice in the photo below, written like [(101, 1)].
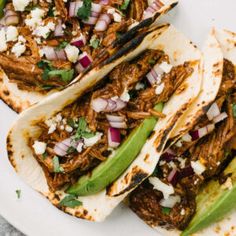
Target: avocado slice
[(2, 5), (113, 167), (213, 202)]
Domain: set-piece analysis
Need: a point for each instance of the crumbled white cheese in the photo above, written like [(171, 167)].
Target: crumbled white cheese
[(116, 16), (3, 41), (166, 189), (159, 89), (20, 5), (21, 39), (139, 86), (72, 53), (179, 144), (165, 67), (172, 165), (58, 118), (11, 33), (125, 96), (187, 138), (170, 201), (80, 147), (198, 167), (18, 49), (52, 128), (182, 162), (62, 127), (68, 129), (39, 147), (182, 212), (88, 142), (44, 31), (227, 184), (36, 18)]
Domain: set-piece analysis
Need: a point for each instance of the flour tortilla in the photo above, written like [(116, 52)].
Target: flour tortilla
[(99, 206), (19, 99)]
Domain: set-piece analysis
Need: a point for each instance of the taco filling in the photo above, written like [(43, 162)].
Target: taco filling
[(168, 197), (45, 44), (94, 128)]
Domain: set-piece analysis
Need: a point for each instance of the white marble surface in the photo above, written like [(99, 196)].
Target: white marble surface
[(7, 230)]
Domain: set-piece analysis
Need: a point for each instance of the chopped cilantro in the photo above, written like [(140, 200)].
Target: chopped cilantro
[(70, 150), (45, 155), (85, 11), (49, 71), (94, 42), (70, 201), (56, 165), (82, 130), (71, 122), (47, 87), (234, 110), (18, 193), (62, 45), (152, 62), (166, 210), (65, 75), (125, 5), (51, 11)]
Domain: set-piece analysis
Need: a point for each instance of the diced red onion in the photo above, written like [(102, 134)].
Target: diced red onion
[(61, 148), (104, 2), (118, 125), (112, 118), (79, 42), (153, 8), (74, 7), (103, 21), (108, 105), (154, 76), (11, 18), (168, 155), (197, 134), (84, 62), (58, 29), (173, 177), (114, 137), (96, 7), (186, 172), (99, 104), (213, 111), (91, 20), (52, 54), (220, 117)]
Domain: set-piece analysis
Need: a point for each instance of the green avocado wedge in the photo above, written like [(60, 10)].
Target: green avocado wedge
[(114, 166), (213, 202), (2, 5)]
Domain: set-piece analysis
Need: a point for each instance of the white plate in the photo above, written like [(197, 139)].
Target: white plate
[(34, 215)]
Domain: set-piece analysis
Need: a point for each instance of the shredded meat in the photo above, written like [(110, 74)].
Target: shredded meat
[(137, 9), (144, 201), (61, 8), (211, 150), (123, 78)]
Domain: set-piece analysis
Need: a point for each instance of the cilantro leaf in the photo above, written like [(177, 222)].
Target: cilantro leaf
[(94, 42), (56, 165), (70, 201), (62, 45), (65, 75), (45, 155), (71, 122), (234, 110), (70, 150), (81, 131), (18, 193), (125, 5), (166, 210), (152, 62), (85, 11)]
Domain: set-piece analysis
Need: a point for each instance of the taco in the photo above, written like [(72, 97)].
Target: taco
[(78, 147), (47, 44), (189, 188)]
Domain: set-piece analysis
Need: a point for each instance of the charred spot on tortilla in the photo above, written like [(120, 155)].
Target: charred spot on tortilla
[(151, 134), (6, 92), (146, 158), (135, 177)]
